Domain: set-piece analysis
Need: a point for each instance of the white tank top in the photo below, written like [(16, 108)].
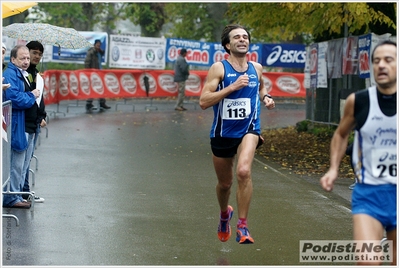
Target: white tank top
[(374, 147)]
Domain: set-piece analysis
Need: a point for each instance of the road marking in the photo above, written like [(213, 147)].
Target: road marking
[(319, 194), (314, 192), (344, 208), (275, 170)]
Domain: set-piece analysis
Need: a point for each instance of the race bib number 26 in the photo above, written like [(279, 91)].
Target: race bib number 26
[(236, 109), (384, 163)]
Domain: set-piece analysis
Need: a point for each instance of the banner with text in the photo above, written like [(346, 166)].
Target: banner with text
[(62, 85), (205, 53), (132, 52), (68, 55), (284, 55)]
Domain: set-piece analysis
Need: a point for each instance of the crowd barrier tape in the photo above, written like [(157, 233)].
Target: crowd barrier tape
[(62, 85)]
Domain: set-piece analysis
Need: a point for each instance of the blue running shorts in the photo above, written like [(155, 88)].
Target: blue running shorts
[(377, 201)]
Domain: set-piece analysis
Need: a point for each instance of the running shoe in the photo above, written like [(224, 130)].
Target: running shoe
[(224, 228), (243, 236)]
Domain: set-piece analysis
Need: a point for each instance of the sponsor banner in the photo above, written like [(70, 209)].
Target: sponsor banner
[(364, 47), (332, 251), (349, 55), (69, 55), (285, 84), (205, 53), (129, 52), (313, 65), (307, 68), (284, 55), (90, 83), (334, 58), (322, 65)]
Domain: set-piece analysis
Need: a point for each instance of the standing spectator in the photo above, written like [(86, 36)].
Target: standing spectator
[(3, 54), (93, 61), (35, 117), (181, 69), (235, 89), (372, 114), (22, 98)]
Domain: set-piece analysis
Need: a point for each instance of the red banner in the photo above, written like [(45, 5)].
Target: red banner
[(62, 85)]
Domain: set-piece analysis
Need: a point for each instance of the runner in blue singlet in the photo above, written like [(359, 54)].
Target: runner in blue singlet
[(235, 90)]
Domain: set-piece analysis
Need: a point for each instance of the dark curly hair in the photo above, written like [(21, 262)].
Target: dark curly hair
[(226, 32)]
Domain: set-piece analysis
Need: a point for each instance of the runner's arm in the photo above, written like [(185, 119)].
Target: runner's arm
[(339, 143)]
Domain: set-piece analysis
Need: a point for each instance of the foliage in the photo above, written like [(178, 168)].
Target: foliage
[(318, 129), (80, 16), (300, 152), (150, 16), (196, 21), (283, 21), (270, 21)]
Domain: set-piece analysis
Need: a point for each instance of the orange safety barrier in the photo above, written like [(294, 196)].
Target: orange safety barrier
[(62, 85)]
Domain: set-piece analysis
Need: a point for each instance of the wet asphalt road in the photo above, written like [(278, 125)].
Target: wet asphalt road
[(127, 188)]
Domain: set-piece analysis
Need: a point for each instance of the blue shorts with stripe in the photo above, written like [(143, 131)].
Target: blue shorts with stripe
[(377, 201)]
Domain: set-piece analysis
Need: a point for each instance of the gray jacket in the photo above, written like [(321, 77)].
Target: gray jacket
[(181, 69)]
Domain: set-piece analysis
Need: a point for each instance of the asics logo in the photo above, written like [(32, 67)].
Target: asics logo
[(236, 103), (231, 75)]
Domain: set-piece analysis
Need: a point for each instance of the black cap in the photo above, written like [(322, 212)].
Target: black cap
[(35, 45), (97, 41)]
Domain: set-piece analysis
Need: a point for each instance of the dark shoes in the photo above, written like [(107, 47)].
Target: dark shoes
[(104, 106), (180, 109), (22, 204), (89, 107)]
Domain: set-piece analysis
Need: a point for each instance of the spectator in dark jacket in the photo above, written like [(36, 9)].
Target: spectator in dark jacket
[(22, 97), (93, 61), (35, 117), (181, 69)]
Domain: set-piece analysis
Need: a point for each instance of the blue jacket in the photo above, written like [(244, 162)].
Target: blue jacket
[(20, 101)]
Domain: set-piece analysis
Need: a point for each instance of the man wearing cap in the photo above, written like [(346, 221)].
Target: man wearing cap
[(35, 117), (93, 61), (181, 69)]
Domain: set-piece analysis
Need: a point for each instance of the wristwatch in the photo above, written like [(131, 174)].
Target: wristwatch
[(267, 95)]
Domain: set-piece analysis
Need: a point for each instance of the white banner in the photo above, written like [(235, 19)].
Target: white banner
[(322, 65), (130, 52)]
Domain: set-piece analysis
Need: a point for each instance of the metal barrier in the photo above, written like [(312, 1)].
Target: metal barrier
[(6, 150), (6, 158)]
